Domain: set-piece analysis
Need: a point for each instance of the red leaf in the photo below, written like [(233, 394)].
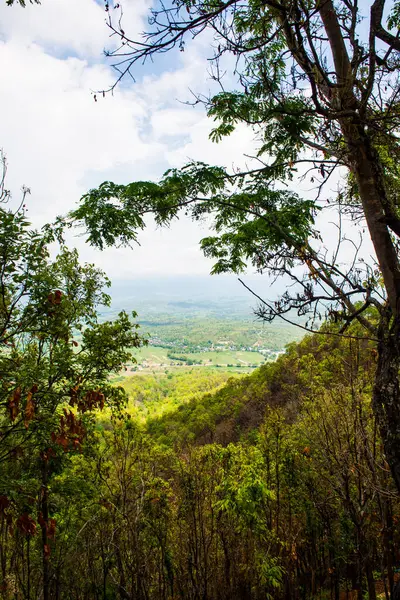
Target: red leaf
[(13, 404), (29, 409), (46, 551), (26, 525), (51, 529)]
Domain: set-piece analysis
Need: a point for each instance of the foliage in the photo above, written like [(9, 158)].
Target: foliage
[(51, 385), (44, 303), (282, 50), (299, 500), (154, 395), (277, 219), (318, 83), (21, 2)]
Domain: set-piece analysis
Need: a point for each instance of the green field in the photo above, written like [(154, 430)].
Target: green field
[(186, 331), (154, 358), (180, 330)]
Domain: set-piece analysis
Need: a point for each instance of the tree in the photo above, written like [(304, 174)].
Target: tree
[(303, 506), (318, 80), (300, 506), (55, 363), (21, 2)]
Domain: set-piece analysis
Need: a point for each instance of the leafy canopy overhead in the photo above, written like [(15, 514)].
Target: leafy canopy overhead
[(250, 220), (313, 85)]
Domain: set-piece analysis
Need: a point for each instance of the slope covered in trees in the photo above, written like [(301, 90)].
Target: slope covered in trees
[(177, 413), (275, 484)]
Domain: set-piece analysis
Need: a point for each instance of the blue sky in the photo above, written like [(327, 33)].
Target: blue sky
[(59, 142)]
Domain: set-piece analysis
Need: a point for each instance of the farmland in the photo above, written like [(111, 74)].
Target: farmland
[(155, 358), (189, 327)]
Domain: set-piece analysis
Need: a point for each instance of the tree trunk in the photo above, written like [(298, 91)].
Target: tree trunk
[(366, 167), (44, 525), (386, 394), (364, 163), (388, 559), (370, 580)]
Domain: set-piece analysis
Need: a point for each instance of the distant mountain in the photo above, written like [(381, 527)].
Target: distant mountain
[(216, 294)]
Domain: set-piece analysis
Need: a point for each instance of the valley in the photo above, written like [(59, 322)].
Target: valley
[(203, 323)]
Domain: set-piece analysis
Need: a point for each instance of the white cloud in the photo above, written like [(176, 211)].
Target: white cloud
[(230, 151), (55, 133), (60, 142), (66, 26), (172, 122)]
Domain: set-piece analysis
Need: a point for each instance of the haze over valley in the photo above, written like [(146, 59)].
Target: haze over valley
[(201, 321)]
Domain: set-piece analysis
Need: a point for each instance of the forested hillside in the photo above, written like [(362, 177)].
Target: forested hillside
[(194, 485), (274, 484)]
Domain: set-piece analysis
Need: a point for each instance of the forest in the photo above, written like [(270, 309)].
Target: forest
[(205, 481), (270, 485)]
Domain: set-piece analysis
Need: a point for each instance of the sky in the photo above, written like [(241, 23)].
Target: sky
[(60, 143)]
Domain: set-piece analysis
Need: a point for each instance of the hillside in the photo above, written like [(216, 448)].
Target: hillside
[(267, 485), (208, 486), (207, 406)]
